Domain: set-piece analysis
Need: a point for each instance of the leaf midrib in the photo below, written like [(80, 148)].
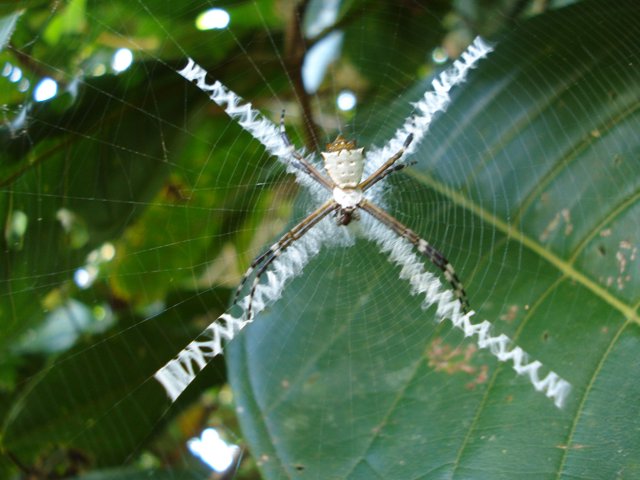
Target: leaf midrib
[(511, 232)]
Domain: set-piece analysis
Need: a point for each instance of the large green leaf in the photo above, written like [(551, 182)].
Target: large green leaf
[(530, 184)]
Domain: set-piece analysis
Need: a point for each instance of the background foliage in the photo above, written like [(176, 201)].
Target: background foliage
[(530, 180)]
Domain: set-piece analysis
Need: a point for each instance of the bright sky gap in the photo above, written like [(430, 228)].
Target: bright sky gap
[(213, 19), (122, 59), (46, 89)]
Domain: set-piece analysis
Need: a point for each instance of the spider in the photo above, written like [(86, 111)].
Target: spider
[(344, 164)]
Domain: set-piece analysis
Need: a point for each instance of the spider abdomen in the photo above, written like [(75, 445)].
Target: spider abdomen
[(345, 166)]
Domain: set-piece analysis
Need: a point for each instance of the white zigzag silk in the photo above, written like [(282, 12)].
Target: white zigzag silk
[(431, 103), (447, 307), (261, 128), (177, 374)]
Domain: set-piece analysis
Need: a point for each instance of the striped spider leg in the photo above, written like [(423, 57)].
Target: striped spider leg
[(344, 163), (433, 254), (263, 262)]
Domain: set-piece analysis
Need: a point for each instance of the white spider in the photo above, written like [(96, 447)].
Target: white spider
[(348, 195), (344, 163)]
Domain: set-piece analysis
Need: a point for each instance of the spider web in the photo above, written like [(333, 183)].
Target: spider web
[(133, 204)]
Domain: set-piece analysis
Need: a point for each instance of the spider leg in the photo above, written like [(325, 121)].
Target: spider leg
[(390, 170), (263, 262), (258, 260), (301, 162), (379, 174), (433, 254)]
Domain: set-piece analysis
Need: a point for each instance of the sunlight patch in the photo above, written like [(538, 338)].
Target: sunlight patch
[(64, 326), (15, 75), (122, 59), (439, 55), (15, 229), (85, 276), (317, 60), (99, 70), (346, 100), (327, 50), (213, 19), (46, 89), (213, 450)]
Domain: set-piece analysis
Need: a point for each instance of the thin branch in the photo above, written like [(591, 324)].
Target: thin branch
[(33, 66), (294, 53)]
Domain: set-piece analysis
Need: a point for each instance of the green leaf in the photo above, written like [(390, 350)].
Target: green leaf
[(7, 26), (70, 21), (530, 184)]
